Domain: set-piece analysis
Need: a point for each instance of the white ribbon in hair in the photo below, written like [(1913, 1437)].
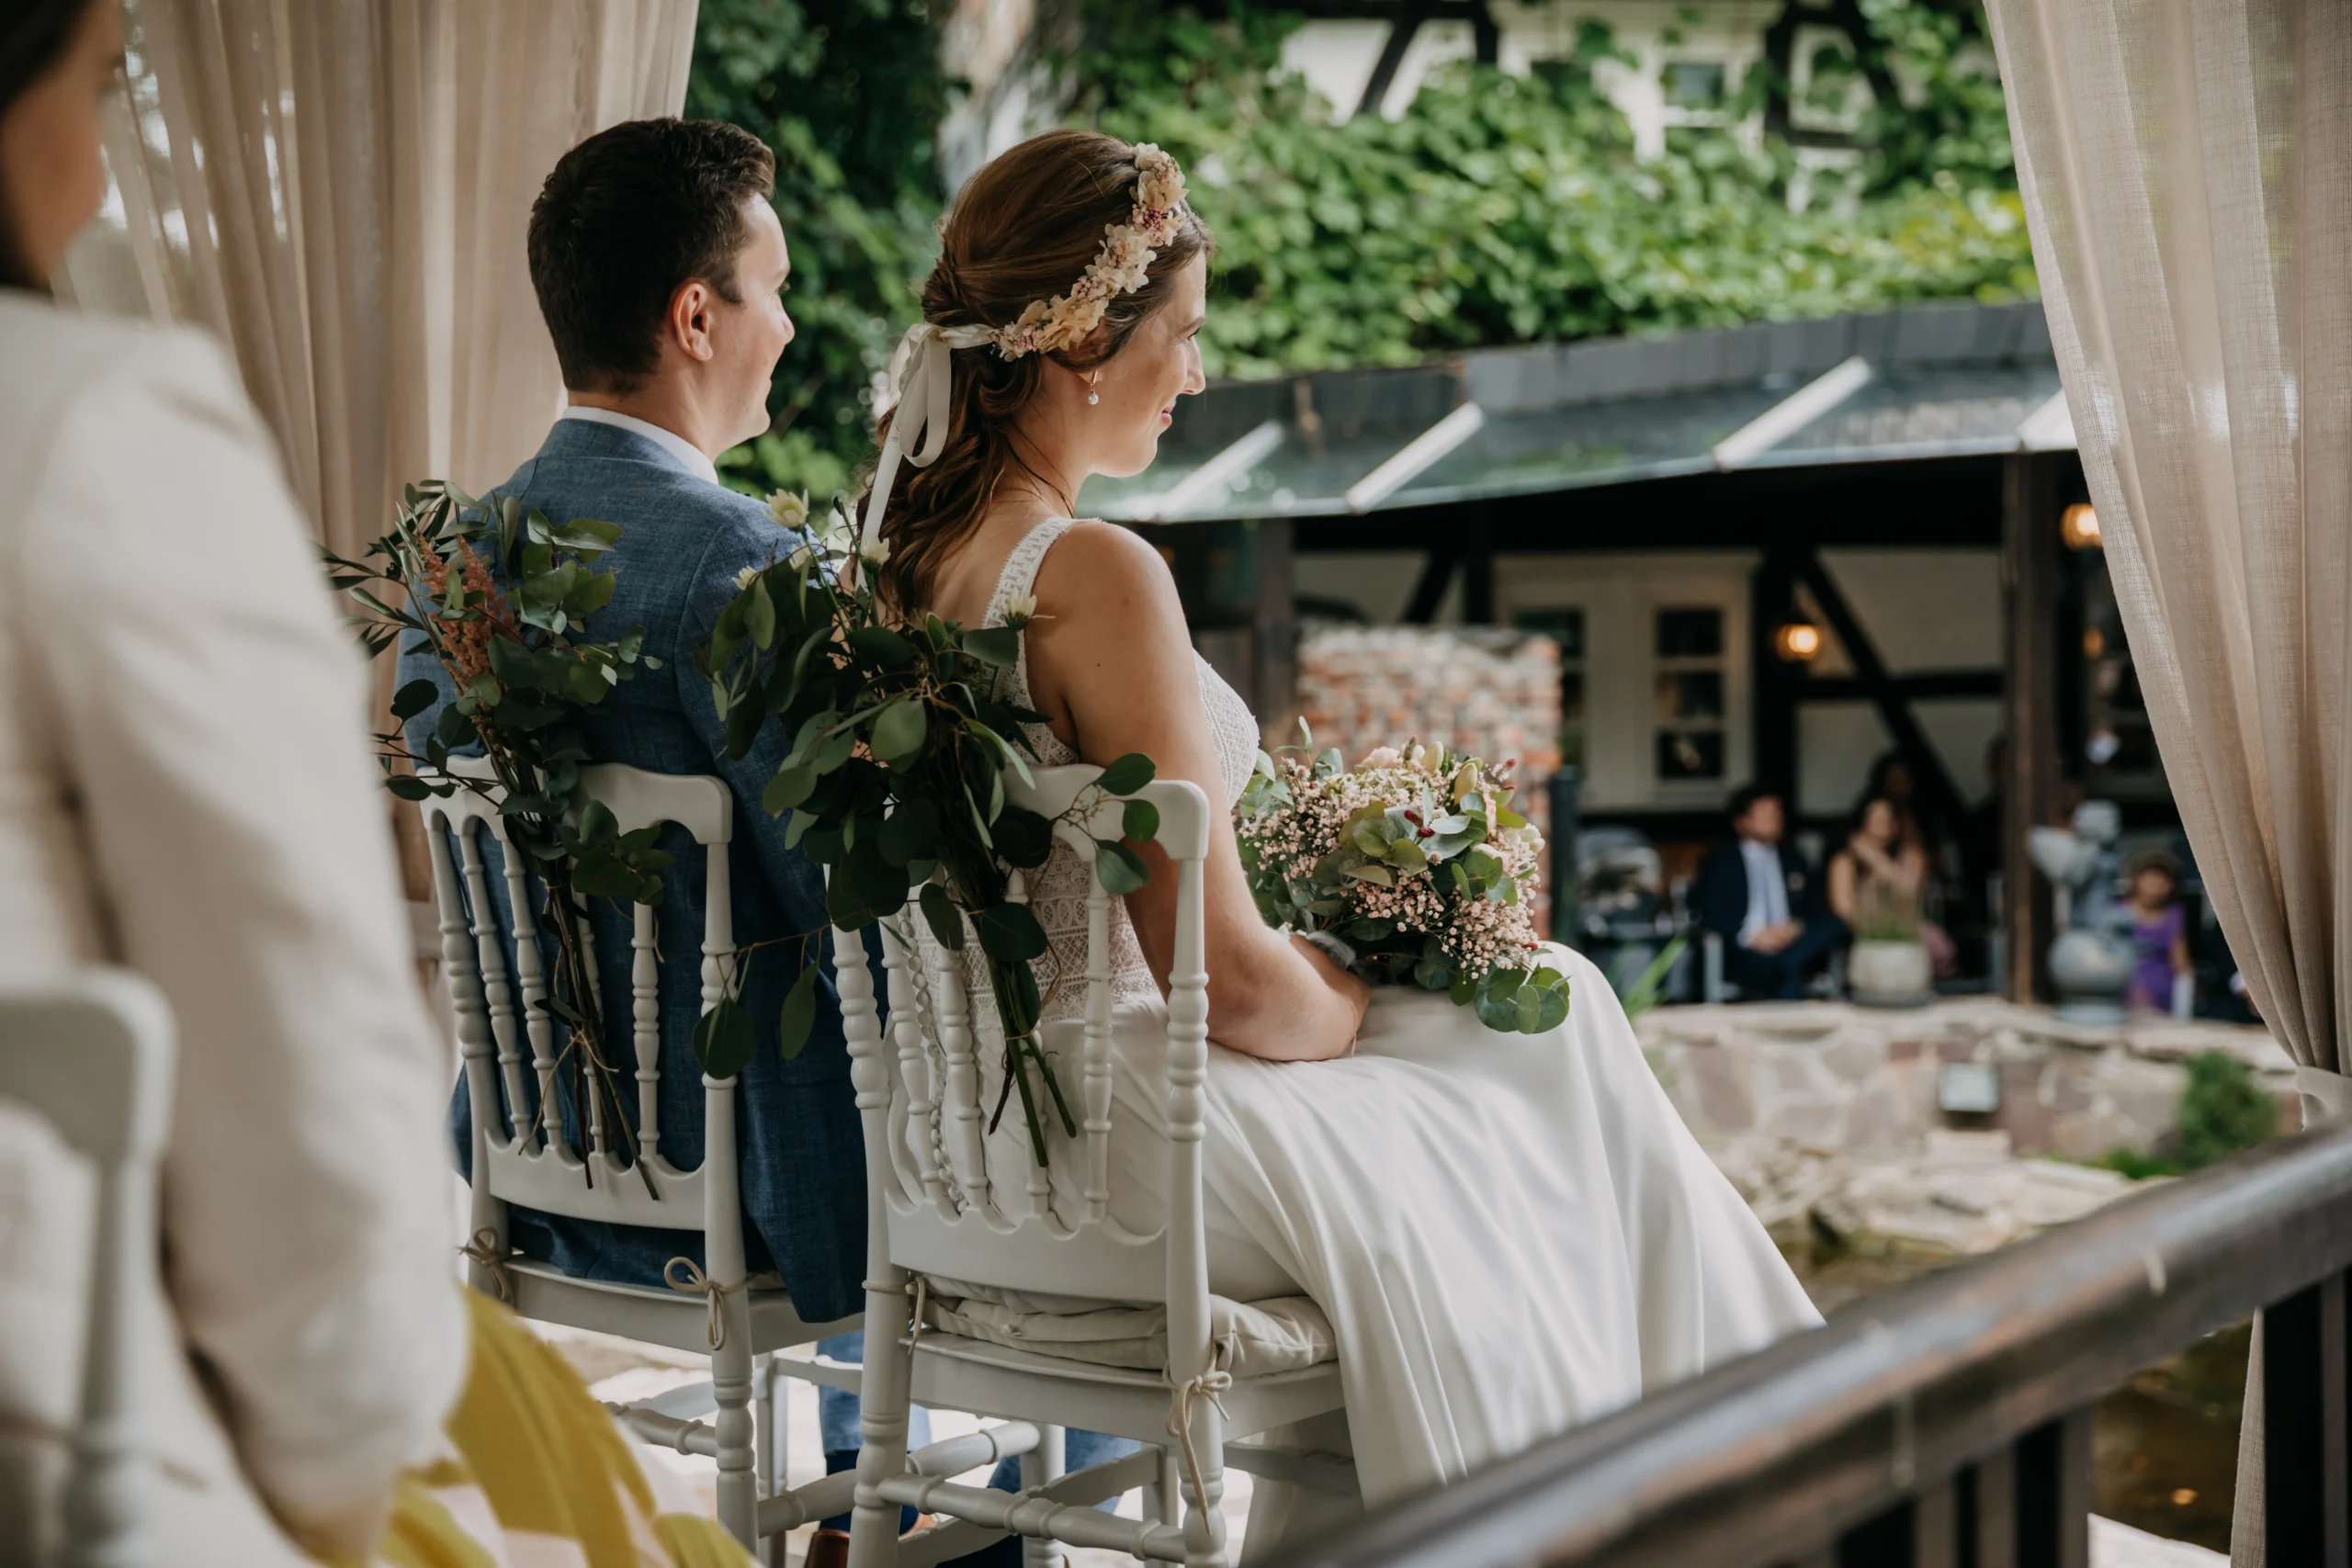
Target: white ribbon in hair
[(923, 378)]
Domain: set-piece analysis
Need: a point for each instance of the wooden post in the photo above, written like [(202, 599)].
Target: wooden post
[(1274, 644), (2303, 1400), (2029, 781), (1772, 604)]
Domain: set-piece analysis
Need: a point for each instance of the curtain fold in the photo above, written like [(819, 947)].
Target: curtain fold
[(2187, 168), (341, 192)]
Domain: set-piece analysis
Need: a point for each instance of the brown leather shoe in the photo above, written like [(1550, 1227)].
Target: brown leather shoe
[(828, 1549)]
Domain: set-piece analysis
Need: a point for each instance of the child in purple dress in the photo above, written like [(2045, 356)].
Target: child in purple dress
[(2159, 931)]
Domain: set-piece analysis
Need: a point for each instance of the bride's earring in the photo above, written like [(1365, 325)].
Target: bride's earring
[(1091, 395)]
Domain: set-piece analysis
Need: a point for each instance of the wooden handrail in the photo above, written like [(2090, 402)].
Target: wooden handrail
[(1945, 1420)]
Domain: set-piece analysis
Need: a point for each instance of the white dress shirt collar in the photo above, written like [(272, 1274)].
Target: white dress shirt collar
[(1768, 888), (670, 440)]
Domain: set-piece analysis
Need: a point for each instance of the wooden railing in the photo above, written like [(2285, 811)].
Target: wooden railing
[(1948, 1424)]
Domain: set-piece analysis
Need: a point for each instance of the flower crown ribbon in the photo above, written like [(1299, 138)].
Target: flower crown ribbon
[(923, 370)]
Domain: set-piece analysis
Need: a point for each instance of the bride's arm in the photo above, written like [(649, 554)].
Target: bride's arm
[(1111, 664)]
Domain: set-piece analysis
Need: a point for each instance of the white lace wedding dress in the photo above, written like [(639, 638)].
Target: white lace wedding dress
[(1510, 1234)]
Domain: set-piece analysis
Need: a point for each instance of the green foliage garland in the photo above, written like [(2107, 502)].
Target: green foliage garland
[(499, 595), (896, 777)]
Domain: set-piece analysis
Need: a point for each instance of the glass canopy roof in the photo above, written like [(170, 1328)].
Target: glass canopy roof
[(1929, 382)]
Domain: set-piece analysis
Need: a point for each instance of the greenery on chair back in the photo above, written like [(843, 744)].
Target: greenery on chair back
[(499, 595), (895, 781)]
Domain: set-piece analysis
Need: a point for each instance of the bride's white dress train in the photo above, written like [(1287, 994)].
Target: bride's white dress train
[(1510, 1234)]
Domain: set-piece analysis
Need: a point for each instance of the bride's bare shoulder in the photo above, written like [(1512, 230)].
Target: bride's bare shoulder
[(1099, 570)]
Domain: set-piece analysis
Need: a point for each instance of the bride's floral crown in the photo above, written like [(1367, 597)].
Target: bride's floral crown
[(1121, 266), (920, 382)]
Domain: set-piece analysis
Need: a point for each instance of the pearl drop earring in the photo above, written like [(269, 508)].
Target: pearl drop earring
[(1093, 397)]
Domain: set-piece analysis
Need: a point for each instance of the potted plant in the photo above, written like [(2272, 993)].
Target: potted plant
[(1889, 965)]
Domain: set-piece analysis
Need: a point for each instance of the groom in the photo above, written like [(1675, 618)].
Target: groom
[(659, 268)]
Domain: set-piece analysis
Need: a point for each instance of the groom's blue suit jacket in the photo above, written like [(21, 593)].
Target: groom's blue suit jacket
[(683, 540)]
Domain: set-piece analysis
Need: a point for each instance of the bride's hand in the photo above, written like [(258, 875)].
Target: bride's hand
[(1344, 984)]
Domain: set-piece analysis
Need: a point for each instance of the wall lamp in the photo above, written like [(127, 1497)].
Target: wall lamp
[(1799, 642)]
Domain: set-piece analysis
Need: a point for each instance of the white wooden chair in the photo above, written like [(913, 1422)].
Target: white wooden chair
[(1010, 1240), (92, 1055), (516, 1161)]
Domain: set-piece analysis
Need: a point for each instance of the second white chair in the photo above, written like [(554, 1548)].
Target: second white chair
[(929, 1220)]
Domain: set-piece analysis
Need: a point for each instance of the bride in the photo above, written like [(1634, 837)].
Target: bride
[(1510, 1235)]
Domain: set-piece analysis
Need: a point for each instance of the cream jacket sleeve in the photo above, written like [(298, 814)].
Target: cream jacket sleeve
[(211, 714)]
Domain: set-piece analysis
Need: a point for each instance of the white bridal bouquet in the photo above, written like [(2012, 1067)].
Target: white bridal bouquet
[(1410, 868)]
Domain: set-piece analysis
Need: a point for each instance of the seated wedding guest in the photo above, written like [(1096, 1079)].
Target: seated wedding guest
[(1881, 876), (186, 789), (660, 269), (1760, 896)]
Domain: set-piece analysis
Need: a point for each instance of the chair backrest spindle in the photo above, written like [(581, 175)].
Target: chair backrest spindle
[(645, 1020), (540, 1170), (899, 958), (1028, 1245)]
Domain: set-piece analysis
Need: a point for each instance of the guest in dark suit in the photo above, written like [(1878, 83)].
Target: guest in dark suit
[(1758, 893)]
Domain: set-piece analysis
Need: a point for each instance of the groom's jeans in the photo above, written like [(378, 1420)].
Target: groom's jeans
[(837, 1416)]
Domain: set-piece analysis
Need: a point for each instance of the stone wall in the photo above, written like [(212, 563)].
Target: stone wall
[(1828, 1119), (1842, 1078)]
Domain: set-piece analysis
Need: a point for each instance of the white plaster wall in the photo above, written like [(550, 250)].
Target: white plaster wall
[(1379, 582), (1338, 57), (1836, 743), (1925, 609)]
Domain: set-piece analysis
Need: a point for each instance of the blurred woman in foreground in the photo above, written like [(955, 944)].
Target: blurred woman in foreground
[(186, 789)]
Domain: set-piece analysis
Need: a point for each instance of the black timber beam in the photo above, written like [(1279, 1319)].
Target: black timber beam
[(1929, 778)]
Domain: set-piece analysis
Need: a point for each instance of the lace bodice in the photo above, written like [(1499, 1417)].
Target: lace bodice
[(1058, 890)]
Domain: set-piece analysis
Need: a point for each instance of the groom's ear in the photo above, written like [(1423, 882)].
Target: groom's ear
[(687, 326)]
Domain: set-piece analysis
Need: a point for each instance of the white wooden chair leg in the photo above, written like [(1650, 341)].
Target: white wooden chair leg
[(882, 1422), (1042, 1466), (1164, 1500), (732, 1385), (1204, 1544)]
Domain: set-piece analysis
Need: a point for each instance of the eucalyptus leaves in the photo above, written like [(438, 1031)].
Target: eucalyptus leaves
[(497, 595), (895, 780)]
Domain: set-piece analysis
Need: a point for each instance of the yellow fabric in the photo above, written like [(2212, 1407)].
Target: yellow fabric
[(535, 1453)]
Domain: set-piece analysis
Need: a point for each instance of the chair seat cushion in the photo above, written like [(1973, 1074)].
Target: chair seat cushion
[(1253, 1339)]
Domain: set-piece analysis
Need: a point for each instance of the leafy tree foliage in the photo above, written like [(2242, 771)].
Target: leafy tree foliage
[(1497, 210), (849, 93), (1506, 210)]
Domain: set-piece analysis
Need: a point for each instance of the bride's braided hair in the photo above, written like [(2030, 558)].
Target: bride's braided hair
[(1027, 224)]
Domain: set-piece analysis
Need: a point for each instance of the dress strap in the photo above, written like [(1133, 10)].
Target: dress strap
[(1020, 573), (1020, 577)]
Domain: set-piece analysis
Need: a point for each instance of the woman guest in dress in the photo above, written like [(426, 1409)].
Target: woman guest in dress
[(186, 789), (2159, 931), (1884, 870)]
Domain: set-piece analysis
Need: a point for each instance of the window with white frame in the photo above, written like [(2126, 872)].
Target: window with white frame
[(1654, 680)]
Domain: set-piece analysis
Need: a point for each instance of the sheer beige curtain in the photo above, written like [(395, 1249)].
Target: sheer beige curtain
[(341, 192), (2188, 175)]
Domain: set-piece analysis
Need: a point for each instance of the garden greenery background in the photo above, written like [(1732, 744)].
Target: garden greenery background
[(1496, 210)]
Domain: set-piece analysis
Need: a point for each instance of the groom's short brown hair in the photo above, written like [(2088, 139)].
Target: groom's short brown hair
[(626, 218)]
